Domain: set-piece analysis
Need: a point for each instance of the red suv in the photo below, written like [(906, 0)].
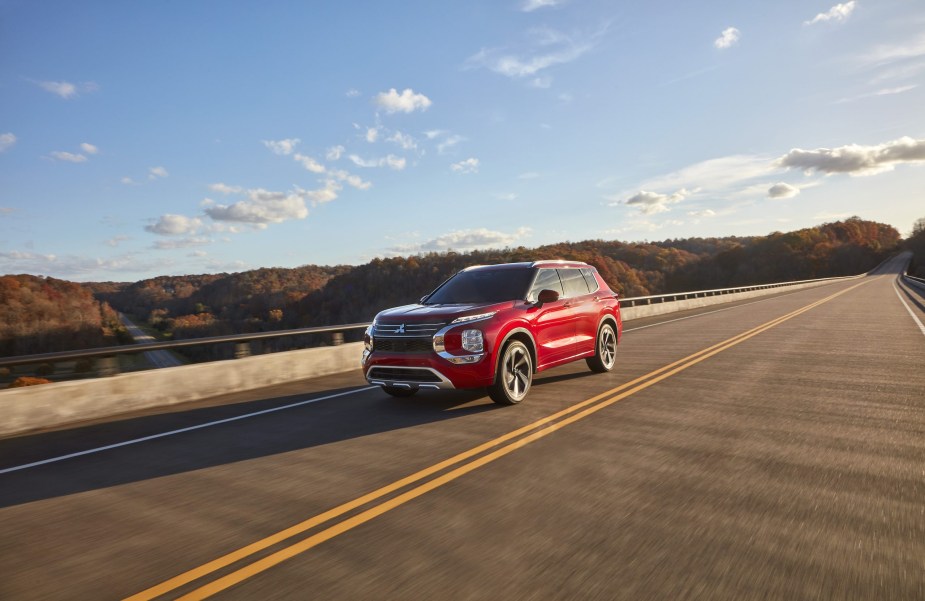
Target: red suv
[(495, 326)]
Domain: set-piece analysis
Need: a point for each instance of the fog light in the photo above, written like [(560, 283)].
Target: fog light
[(472, 341)]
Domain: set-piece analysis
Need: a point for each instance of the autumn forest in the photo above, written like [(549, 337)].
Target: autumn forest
[(45, 314)]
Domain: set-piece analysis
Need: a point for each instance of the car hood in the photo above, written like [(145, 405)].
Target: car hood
[(428, 313)]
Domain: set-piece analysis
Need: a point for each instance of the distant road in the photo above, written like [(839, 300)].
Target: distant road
[(764, 450), (155, 358)]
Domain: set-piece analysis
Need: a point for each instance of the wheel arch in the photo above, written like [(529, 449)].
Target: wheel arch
[(521, 334), (608, 318)]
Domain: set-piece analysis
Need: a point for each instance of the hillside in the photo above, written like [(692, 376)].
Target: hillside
[(44, 314), (39, 315)]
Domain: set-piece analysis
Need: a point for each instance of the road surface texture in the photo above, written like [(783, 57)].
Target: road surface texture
[(774, 449), (155, 358)]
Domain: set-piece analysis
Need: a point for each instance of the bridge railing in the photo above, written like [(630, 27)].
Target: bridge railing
[(107, 363)]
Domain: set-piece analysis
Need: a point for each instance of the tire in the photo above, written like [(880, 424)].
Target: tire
[(605, 355), (514, 375), (399, 392)]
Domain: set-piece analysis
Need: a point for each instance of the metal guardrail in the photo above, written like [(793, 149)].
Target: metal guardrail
[(678, 296), (107, 354)]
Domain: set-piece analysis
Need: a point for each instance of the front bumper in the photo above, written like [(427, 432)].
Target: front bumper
[(424, 370)]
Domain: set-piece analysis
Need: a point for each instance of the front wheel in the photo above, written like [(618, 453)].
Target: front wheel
[(606, 354), (399, 392), (514, 376)]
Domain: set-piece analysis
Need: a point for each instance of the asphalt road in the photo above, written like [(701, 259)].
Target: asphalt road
[(155, 358), (768, 450)]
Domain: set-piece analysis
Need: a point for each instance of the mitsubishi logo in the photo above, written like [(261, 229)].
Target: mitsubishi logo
[(401, 329)]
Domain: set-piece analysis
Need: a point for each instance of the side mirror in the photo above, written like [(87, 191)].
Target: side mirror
[(547, 296)]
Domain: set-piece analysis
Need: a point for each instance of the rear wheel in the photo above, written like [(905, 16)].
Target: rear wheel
[(514, 375), (606, 354), (399, 392)]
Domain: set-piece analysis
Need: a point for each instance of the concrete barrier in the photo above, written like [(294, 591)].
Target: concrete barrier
[(62, 403)]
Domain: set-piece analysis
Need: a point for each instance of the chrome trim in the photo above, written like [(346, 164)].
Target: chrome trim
[(443, 384), (448, 356)]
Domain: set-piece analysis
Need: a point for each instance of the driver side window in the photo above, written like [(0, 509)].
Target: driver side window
[(547, 279)]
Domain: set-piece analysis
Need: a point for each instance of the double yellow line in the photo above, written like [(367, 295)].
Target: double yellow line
[(514, 439)]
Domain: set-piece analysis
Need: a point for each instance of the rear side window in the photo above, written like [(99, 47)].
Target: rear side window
[(573, 282), (546, 279), (590, 280)]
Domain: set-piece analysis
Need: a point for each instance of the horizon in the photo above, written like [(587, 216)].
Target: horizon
[(293, 135)]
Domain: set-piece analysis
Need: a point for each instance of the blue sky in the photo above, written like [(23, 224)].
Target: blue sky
[(139, 139)]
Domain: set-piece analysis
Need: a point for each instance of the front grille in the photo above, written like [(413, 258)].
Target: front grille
[(403, 345), (402, 374), (408, 329)]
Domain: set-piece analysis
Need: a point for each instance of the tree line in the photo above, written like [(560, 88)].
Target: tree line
[(55, 314)]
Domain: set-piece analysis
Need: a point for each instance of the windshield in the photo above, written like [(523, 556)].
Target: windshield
[(483, 286)]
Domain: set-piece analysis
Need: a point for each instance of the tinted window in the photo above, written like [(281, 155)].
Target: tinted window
[(546, 279), (573, 282), (483, 286), (590, 280)]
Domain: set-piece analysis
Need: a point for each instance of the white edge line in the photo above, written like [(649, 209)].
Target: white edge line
[(909, 309), (181, 430)]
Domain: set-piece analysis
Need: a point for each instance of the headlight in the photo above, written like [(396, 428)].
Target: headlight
[(473, 341), (473, 317), (368, 339)]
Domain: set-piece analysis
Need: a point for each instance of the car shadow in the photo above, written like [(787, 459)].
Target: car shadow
[(359, 411)]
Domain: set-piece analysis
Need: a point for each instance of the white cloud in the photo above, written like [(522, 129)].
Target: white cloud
[(372, 134), (190, 242), (882, 92), (262, 207), (782, 190), (69, 157), (66, 89), (728, 38), (117, 240), (282, 147), (75, 267), (403, 140), (888, 53), (448, 142), (541, 82), (505, 196), (434, 133), (470, 165), (7, 141), (649, 203), (544, 48), (334, 153), (702, 214), (309, 163), (322, 195), (89, 148), (532, 5), (174, 225), (838, 13), (353, 180), (128, 181), (718, 176), (352, 93), (156, 172), (464, 240), (391, 161), (856, 159), (225, 188), (406, 102)]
